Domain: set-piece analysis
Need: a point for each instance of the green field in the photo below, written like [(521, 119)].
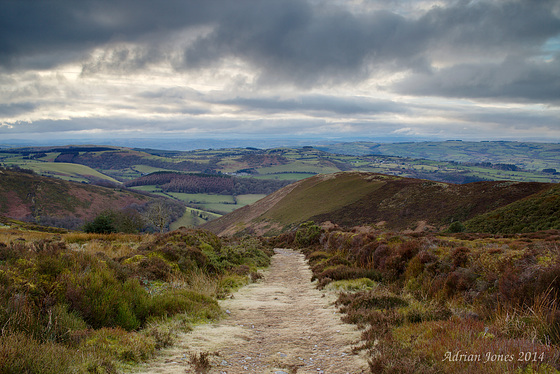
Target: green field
[(211, 204), (192, 218), (288, 176), (62, 170), (249, 199), (532, 156), (203, 198), (453, 161)]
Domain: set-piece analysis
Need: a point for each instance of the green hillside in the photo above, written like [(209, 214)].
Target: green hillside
[(355, 198), (535, 213)]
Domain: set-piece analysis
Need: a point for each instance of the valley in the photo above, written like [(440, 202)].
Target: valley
[(267, 170), (334, 271)]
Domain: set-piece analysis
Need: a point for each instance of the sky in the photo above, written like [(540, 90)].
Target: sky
[(256, 69)]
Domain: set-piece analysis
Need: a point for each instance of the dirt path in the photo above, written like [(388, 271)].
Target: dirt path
[(281, 325)]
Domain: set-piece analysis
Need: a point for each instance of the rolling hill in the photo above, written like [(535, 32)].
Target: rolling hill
[(390, 202), (214, 182), (526, 155), (30, 197)]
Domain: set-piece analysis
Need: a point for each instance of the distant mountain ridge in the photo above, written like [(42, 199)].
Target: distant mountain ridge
[(383, 201), (527, 155)]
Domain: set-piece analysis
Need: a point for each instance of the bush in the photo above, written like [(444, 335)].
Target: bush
[(342, 272), (307, 234), (121, 345), (456, 227), (369, 300), (102, 224), (20, 353), (194, 304), (102, 301)]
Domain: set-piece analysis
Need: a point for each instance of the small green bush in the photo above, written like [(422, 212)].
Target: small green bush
[(370, 300), (101, 300), (195, 305), (307, 234), (455, 227), (20, 353), (352, 285), (121, 345)]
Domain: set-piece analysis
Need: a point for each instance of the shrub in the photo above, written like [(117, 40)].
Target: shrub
[(307, 234), (191, 303), (369, 300), (20, 353), (330, 262), (342, 272), (104, 223), (352, 285), (200, 362), (120, 344), (317, 256), (102, 300), (456, 227)]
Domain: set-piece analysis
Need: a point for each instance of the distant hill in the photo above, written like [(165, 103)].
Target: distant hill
[(358, 198), (526, 155), (27, 196), (214, 182)]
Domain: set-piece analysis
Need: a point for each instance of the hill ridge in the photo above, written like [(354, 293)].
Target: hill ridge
[(361, 198)]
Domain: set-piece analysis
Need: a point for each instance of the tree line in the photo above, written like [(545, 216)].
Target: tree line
[(207, 183), (117, 160)]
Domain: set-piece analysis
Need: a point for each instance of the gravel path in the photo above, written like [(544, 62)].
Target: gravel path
[(281, 325)]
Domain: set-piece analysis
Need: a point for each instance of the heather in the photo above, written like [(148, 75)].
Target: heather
[(443, 303), (95, 303)]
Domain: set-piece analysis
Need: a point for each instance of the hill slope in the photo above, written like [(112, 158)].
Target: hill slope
[(27, 196), (357, 198), (538, 212)]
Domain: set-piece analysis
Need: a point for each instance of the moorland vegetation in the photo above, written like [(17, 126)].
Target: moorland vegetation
[(96, 303), (443, 303), (440, 277)]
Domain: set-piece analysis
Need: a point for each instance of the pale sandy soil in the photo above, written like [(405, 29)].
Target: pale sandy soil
[(282, 324)]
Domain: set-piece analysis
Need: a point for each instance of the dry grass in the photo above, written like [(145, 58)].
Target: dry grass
[(492, 297), (200, 362), (98, 301)]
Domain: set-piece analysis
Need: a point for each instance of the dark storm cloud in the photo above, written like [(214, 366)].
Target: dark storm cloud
[(514, 79), (291, 42), (491, 26), (9, 110), (56, 30)]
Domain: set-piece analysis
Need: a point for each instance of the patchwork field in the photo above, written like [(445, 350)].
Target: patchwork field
[(453, 162)]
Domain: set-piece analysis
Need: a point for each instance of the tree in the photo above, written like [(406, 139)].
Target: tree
[(159, 215), (456, 227), (127, 221), (102, 224)]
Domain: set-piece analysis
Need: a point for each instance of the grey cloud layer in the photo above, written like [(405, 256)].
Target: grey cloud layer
[(310, 104), (514, 79), (290, 42), (278, 66), (293, 41), (31, 28)]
